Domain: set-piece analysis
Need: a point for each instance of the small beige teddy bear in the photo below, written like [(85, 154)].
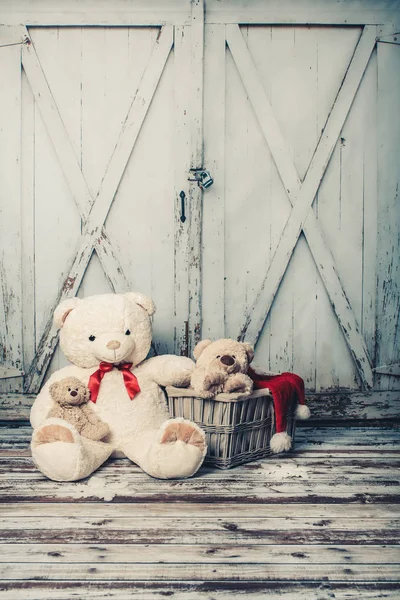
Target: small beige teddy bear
[(221, 366), (71, 396)]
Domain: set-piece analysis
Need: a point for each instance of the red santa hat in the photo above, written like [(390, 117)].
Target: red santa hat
[(285, 389)]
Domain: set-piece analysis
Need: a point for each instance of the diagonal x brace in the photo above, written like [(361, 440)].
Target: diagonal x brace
[(102, 204), (301, 195)]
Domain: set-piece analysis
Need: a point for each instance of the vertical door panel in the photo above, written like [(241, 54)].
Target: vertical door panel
[(93, 75), (214, 219), (388, 296), (10, 212)]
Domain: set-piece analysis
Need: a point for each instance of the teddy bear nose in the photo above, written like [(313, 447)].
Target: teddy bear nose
[(74, 393), (113, 345), (227, 360)]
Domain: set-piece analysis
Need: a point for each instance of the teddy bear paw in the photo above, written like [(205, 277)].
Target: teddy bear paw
[(183, 431), (53, 433), (214, 383), (239, 383)]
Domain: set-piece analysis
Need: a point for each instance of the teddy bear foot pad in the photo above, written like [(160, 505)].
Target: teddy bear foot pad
[(54, 433), (184, 432)]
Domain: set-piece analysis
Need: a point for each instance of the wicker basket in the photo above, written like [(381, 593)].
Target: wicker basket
[(238, 427)]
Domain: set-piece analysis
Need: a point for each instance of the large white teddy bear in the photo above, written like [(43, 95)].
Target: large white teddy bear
[(107, 338)]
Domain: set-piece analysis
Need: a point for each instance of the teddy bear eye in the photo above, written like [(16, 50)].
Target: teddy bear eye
[(69, 389), (233, 356), (219, 356), (92, 338), (127, 332)]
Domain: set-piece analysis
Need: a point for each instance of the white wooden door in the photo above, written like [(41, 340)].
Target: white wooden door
[(298, 102), (110, 128)]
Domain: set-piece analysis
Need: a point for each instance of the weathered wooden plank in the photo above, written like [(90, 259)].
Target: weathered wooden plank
[(254, 530), (98, 51), (299, 471), (342, 405), (199, 510), (195, 195), (197, 82), (303, 468), (342, 200), (213, 244), (156, 12), (300, 196), (186, 530), (90, 13), (96, 144), (10, 209), (300, 13), (126, 489), (302, 135), (197, 572), (349, 232), (370, 201), (182, 207), (317, 493), (15, 407), (388, 261), (191, 590), (199, 554), (28, 223), (100, 208)]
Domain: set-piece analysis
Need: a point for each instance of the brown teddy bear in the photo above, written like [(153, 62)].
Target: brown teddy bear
[(221, 366), (71, 396)]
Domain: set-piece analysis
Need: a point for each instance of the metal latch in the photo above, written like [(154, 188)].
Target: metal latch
[(203, 178)]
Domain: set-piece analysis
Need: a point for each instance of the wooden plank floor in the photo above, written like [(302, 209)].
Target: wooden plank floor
[(322, 522)]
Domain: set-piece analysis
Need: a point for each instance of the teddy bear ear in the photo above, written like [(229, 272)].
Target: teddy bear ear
[(249, 351), (143, 301), (198, 349), (54, 388), (63, 309)]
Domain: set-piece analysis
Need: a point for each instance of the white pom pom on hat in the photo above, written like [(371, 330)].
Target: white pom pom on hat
[(280, 442), (302, 412)]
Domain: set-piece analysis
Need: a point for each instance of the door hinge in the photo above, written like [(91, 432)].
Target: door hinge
[(393, 370)]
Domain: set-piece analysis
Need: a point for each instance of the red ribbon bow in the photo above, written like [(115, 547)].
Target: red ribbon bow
[(130, 380)]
